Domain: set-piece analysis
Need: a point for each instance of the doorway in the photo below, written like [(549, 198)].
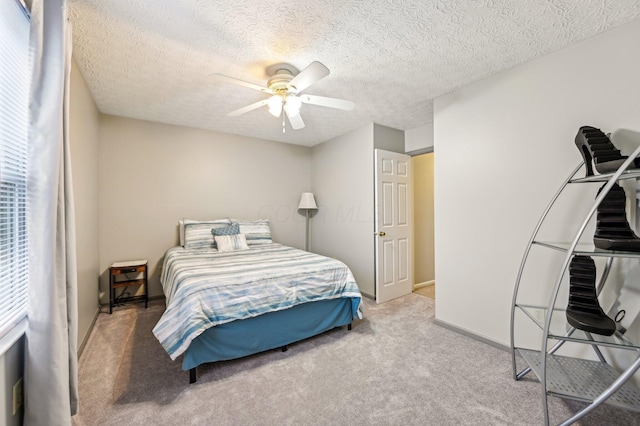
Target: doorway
[(394, 229), (423, 229)]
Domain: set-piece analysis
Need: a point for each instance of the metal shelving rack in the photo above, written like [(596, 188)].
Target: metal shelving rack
[(593, 382)]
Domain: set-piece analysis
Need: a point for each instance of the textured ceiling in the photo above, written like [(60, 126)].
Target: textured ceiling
[(154, 59)]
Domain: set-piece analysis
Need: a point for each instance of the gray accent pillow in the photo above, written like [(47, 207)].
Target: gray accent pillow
[(233, 229)]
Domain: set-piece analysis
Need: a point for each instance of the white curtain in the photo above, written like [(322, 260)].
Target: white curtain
[(51, 394)]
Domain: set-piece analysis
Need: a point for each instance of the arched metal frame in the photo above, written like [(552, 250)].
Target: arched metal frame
[(628, 373)]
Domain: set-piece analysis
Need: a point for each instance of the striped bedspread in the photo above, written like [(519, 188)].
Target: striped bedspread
[(204, 287)]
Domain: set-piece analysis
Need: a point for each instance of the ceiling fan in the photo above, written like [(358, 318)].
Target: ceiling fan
[(285, 86)]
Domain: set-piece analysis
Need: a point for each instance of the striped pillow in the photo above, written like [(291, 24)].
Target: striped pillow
[(256, 232), (198, 234), (181, 223), (232, 229), (231, 242)]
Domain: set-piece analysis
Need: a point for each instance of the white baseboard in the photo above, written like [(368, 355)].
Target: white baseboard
[(424, 284)]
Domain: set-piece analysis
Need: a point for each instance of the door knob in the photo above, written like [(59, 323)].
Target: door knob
[(382, 233)]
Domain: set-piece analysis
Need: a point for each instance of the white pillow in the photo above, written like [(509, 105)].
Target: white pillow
[(231, 242)]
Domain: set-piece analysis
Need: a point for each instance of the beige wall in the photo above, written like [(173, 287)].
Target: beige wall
[(423, 239), (152, 175), (83, 138)]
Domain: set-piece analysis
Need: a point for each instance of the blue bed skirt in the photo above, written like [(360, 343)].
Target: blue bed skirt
[(268, 331)]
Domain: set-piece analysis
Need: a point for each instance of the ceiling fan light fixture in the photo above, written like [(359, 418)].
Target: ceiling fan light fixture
[(292, 106), (284, 86), (275, 105)]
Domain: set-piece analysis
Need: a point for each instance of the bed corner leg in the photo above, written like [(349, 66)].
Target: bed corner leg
[(193, 375), (349, 326)]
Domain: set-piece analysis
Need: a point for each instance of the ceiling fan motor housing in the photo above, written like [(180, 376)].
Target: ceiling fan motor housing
[(279, 83), (281, 75)]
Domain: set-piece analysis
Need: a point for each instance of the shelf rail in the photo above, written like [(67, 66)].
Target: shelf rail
[(610, 180), (554, 294), (524, 261)]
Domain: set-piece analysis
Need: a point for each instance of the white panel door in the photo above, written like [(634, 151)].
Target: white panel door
[(394, 230)]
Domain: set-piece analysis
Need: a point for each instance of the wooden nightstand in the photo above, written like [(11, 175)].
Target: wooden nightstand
[(123, 275)]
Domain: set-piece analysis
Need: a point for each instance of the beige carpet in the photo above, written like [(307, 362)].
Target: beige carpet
[(428, 291), (394, 368)]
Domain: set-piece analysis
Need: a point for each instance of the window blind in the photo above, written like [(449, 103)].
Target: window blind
[(14, 104)]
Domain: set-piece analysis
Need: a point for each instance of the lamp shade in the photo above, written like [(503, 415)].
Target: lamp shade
[(275, 105), (292, 106), (307, 201)]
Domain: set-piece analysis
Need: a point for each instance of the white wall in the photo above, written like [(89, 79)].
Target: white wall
[(504, 145), (83, 138), (388, 139), (152, 175), (342, 177), (419, 139)]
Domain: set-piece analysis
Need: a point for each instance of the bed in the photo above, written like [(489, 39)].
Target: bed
[(226, 303)]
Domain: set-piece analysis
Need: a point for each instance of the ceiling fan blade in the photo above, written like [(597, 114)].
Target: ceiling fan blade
[(327, 102), (242, 83), (296, 121), (311, 74), (248, 108)]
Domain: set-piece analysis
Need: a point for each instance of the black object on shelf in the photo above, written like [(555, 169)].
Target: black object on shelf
[(612, 228), (595, 144), (584, 311)]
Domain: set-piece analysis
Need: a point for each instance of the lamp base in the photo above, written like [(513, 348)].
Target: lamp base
[(307, 240)]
